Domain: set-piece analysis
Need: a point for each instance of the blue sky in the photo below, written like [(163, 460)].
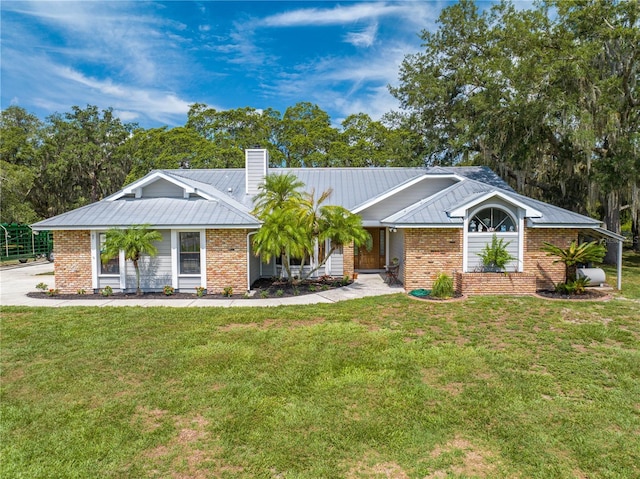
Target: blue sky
[(150, 60)]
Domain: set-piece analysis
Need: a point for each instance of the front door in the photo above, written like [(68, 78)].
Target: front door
[(373, 258)]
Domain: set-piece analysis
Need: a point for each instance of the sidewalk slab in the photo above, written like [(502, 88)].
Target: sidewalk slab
[(15, 283)]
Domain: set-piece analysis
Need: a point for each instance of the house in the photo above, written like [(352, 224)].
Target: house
[(433, 219)]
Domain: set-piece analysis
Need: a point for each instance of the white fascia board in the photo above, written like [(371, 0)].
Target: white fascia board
[(461, 210), (425, 226), (403, 186), (135, 187)]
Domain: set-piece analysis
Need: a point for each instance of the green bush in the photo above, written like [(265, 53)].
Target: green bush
[(442, 287), (495, 256), (107, 291), (573, 287)]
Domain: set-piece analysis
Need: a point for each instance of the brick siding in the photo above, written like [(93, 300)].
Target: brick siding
[(72, 260), (348, 260), (537, 262), (226, 260), (428, 252), (496, 283)]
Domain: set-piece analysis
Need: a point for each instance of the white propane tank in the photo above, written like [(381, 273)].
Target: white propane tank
[(595, 275)]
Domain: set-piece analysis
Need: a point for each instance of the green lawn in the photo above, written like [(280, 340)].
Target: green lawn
[(385, 387)]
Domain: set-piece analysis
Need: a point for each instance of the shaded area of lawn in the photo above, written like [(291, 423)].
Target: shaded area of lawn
[(630, 274), (382, 387)]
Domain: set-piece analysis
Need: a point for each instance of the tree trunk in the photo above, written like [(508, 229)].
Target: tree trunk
[(135, 265), (570, 273), (612, 222)]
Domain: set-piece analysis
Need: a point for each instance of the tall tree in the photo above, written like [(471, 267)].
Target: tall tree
[(306, 136), (20, 137), (547, 96), (233, 131), (163, 148), (84, 157)]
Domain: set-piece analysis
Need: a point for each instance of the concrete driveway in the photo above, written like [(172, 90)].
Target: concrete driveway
[(16, 282)]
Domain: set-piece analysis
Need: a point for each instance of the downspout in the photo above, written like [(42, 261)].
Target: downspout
[(249, 259)]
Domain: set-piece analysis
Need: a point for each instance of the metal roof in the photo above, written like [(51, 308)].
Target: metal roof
[(229, 205), (159, 212)]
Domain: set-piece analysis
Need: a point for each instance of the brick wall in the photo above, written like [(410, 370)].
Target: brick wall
[(72, 260), (537, 261), (226, 260), (428, 252), (496, 283), (348, 259)]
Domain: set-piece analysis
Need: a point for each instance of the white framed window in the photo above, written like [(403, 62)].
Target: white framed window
[(492, 219), (111, 267), (189, 254)]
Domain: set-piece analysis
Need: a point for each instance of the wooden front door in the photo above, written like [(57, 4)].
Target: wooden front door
[(373, 258)]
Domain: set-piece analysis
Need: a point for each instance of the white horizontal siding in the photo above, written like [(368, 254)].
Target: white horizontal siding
[(162, 189), (113, 281), (476, 243), (155, 273), (187, 283), (405, 198)]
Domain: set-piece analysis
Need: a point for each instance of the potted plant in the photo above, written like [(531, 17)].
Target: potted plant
[(495, 255)]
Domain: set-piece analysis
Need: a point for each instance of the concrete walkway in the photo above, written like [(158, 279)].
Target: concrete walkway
[(16, 282)]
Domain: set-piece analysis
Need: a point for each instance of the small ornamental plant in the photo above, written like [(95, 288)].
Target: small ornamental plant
[(82, 291), (200, 291), (168, 290), (42, 287), (442, 287), (264, 294), (107, 291), (52, 292), (227, 292)]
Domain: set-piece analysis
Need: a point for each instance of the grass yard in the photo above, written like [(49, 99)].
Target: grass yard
[(387, 387)]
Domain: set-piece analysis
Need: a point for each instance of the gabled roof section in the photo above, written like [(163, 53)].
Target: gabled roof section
[(136, 187), (483, 174), (399, 188), (438, 209), (461, 209)]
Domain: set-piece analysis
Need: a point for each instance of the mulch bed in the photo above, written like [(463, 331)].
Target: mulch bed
[(589, 295), (263, 288)]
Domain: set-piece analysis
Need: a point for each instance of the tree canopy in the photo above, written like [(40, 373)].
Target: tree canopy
[(549, 97)]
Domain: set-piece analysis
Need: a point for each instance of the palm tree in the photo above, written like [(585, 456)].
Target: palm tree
[(278, 192), (575, 254), (281, 235), (341, 227), (134, 241)]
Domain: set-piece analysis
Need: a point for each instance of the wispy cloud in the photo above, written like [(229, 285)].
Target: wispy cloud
[(363, 38), (113, 41), (337, 15)]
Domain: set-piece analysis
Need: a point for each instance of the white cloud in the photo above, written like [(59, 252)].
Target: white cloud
[(337, 15), (364, 38)]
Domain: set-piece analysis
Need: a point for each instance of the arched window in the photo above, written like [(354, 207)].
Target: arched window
[(492, 220)]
